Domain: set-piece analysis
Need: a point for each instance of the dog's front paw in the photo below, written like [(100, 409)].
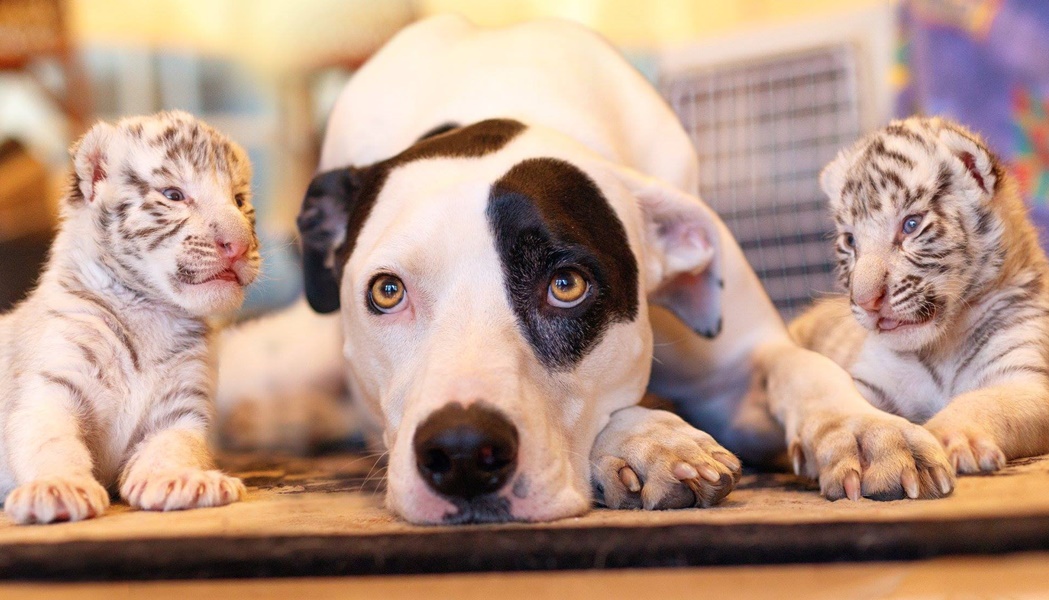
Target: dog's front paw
[(56, 499), (879, 456), (653, 459), (969, 449), (181, 489)]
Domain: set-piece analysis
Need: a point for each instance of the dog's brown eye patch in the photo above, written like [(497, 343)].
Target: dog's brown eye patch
[(544, 214)]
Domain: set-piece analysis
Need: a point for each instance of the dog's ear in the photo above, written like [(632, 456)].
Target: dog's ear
[(682, 252), (322, 223)]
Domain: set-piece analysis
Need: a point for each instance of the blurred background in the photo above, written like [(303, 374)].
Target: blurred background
[(768, 89)]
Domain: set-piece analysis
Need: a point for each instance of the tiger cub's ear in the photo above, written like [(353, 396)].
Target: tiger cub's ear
[(832, 177), (974, 163), (91, 162)]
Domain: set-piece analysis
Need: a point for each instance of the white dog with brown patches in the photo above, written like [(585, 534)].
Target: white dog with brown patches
[(507, 221)]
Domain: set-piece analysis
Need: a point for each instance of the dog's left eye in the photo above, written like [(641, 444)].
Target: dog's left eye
[(568, 288), (386, 294)]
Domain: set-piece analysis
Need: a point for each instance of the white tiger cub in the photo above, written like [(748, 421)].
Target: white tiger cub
[(947, 318), (106, 375)]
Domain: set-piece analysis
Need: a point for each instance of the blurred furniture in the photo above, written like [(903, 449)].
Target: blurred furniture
[(35, 41), (24, 193), (20, 262), (26, 221)]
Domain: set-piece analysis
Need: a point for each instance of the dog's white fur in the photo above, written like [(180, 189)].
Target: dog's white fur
[(750, 386), (106, 376)]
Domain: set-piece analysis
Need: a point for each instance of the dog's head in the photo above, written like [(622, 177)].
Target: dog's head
[(494, 282)]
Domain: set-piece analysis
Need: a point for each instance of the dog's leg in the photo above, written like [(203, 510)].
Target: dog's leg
[(653, 459), (263, 403), (837, 437), (984, 428)]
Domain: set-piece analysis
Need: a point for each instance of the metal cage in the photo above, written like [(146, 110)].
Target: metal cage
[(763, 130)]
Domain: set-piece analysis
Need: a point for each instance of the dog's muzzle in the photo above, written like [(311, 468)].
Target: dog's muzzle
[(466, 452)]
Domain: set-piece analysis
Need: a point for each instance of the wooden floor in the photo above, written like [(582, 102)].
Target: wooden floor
[(1014, 576), (324, 516)]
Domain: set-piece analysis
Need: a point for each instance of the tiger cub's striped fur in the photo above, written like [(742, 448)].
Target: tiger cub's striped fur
[(106, 375), (946, 321)]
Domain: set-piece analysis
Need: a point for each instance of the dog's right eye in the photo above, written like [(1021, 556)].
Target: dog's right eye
[(568, 288), (386, 294)]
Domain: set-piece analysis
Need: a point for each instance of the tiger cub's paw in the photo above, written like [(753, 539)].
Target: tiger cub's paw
[(969, 449), (873, 455), (56, 499), (182, 489)]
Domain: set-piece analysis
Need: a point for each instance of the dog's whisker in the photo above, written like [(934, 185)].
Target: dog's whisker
[(377, 465)]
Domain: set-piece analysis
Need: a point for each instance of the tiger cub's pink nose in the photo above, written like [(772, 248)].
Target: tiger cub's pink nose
[(871, 302), (233, 250)]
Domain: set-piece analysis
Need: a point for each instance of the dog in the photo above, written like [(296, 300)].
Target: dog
[(507, 222)]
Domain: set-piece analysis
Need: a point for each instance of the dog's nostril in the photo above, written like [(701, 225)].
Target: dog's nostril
[(492, 458), (466, 452), (437, 461)]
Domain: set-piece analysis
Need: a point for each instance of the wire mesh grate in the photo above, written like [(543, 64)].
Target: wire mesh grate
[(763, 130)]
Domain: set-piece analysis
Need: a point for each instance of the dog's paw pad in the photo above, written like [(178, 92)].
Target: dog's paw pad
[(182, 489), (56, 499)]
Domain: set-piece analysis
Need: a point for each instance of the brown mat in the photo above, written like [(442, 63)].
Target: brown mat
[(324, 516)]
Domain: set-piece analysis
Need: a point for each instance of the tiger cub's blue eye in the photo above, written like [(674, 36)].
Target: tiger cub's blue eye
[(849, 240), (911, 223)]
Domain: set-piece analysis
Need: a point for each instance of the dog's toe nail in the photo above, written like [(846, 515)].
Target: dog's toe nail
[(909, 479), (797, 458), (728, 460), (683, 470), (942, 480), (709, 473), (852, 485), (629, 479)]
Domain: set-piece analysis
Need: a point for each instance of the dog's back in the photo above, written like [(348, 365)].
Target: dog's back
[(553, 73)]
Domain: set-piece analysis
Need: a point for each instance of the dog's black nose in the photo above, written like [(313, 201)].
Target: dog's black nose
[(466, 452)]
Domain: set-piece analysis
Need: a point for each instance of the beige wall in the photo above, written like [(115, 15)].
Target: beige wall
[(640, 23), (283, 33), (272, 34)]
